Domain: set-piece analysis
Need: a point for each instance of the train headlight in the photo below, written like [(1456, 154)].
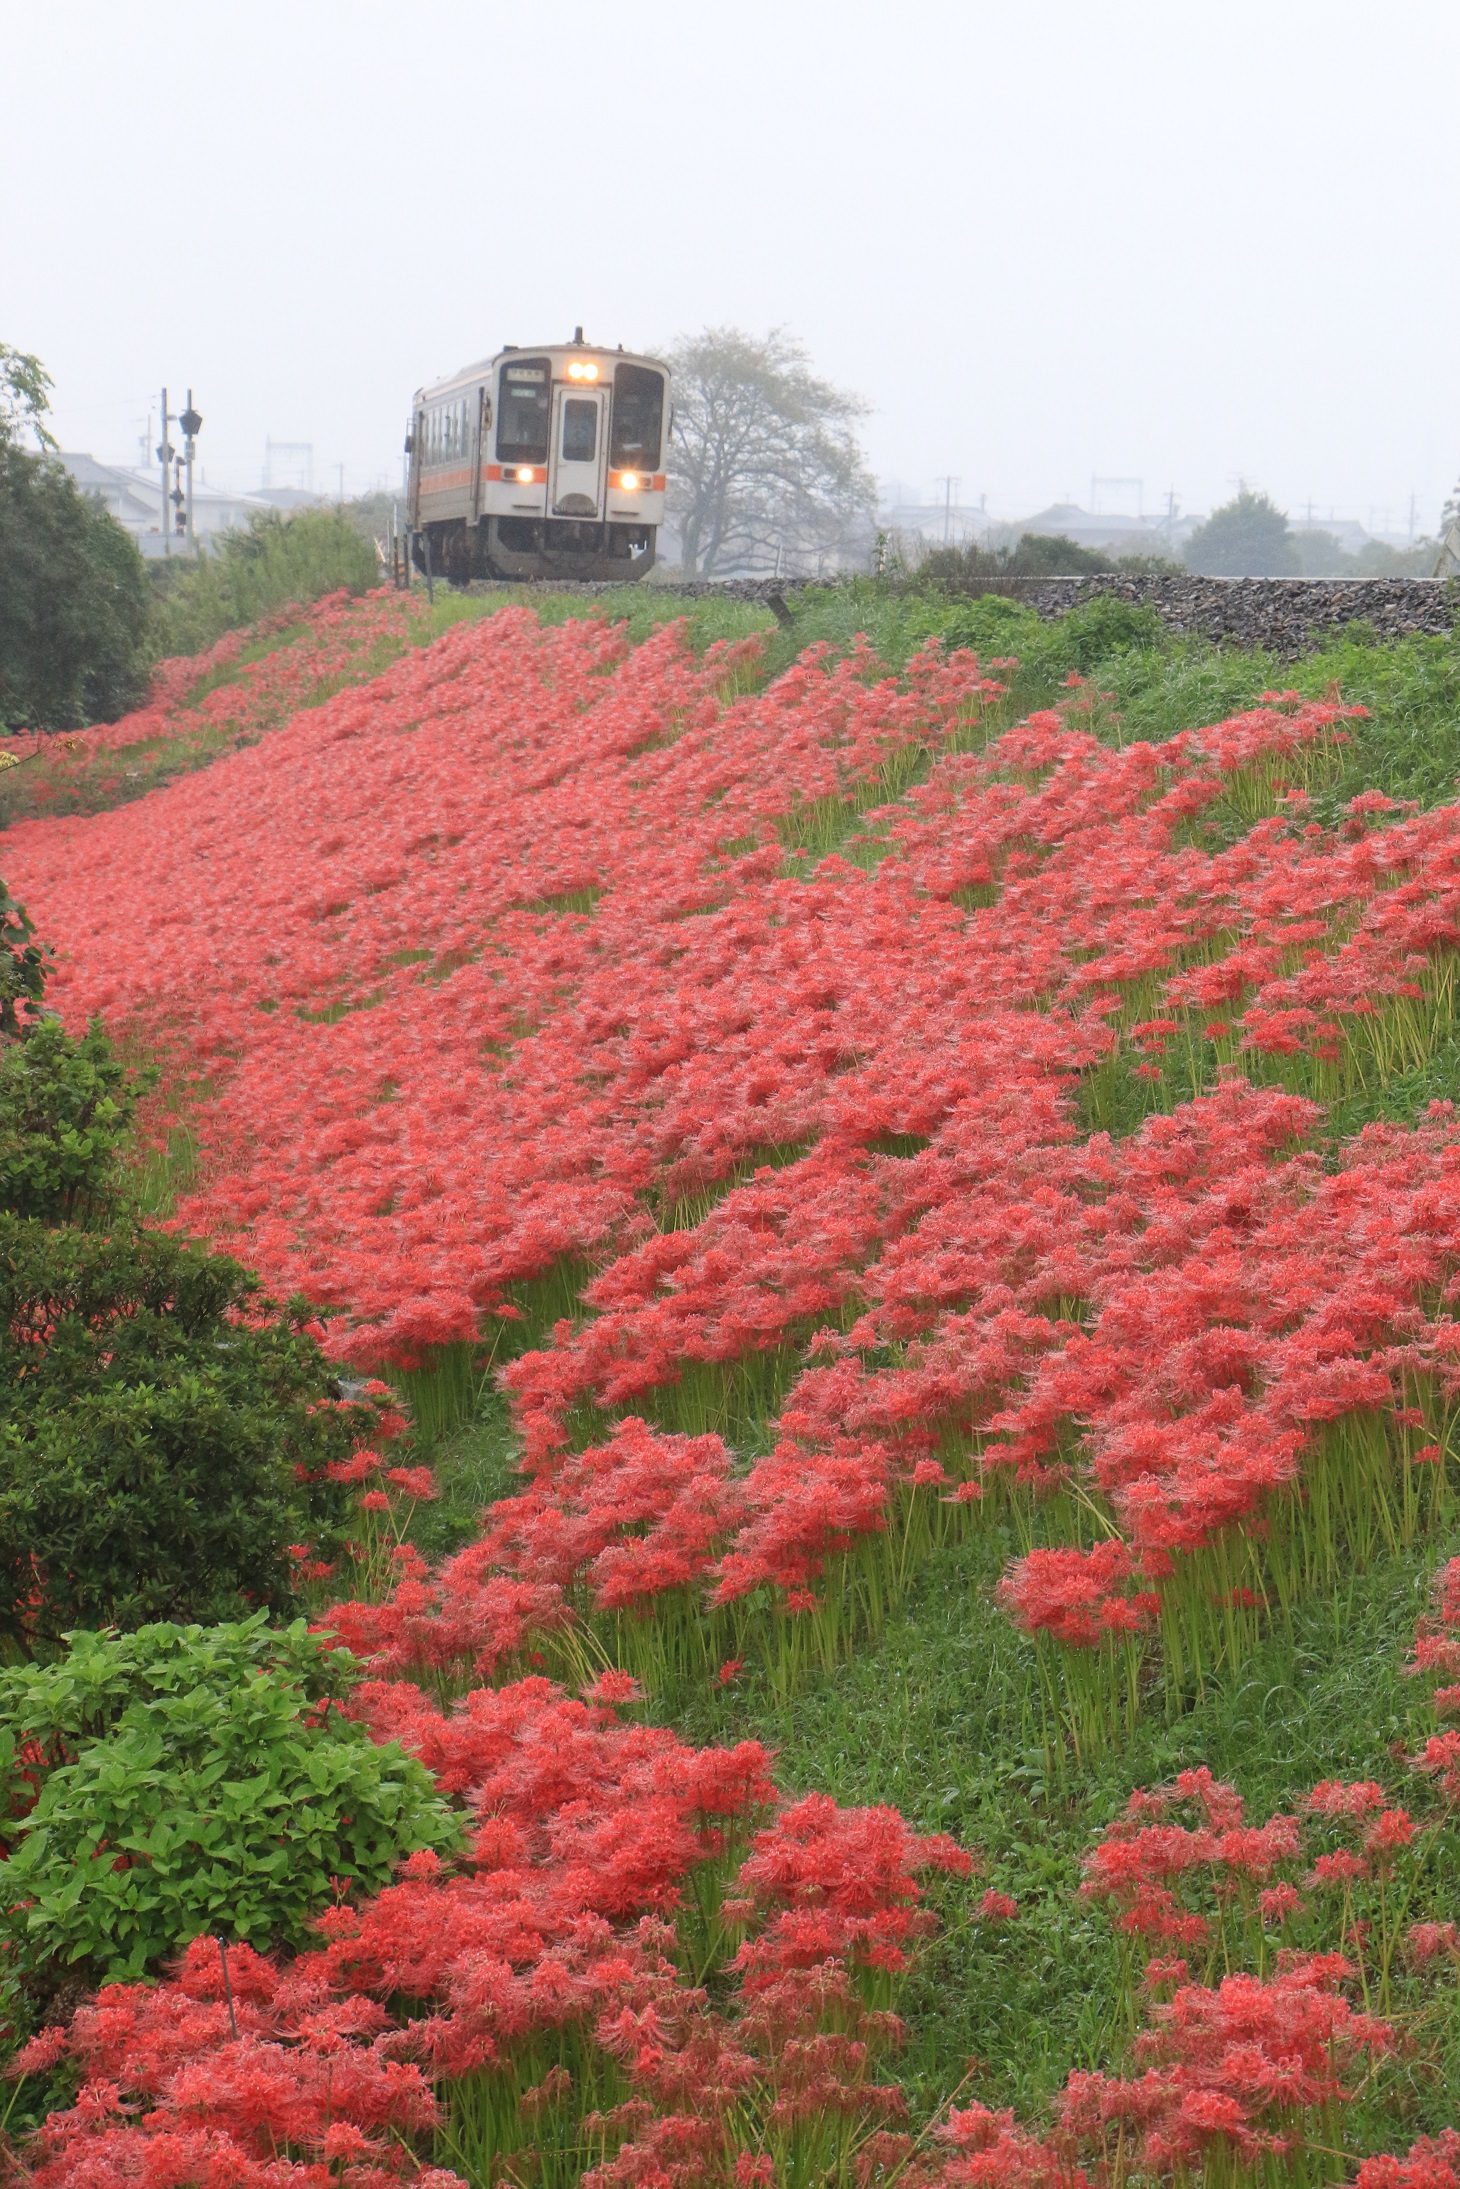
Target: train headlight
[(582, 368), (524, 474), (630, 482)]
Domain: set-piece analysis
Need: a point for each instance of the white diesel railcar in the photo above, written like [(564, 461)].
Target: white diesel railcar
[(540, 463)]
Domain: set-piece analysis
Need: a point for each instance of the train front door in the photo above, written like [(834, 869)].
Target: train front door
[(578, 462)]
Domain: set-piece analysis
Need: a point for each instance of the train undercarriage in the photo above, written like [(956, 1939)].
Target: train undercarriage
[(534, 547)]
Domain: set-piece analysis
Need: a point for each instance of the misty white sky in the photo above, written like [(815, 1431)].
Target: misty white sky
[(1162, 239)]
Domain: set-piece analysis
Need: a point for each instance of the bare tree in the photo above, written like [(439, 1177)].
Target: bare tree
[(765, 468)]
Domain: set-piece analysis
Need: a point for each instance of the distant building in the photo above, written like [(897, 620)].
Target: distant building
[(935, 524), (117, 491), (134, 498), (1109, 531)]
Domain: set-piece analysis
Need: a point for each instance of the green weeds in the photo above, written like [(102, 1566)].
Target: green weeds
[(941, 1715), (275, 562)]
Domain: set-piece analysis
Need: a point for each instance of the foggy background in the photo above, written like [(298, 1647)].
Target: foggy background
[(1146, 239)]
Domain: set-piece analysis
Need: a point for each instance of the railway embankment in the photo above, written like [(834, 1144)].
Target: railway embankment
[(1284, 616)]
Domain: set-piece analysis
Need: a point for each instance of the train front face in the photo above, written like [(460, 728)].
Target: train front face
[(575, 481)]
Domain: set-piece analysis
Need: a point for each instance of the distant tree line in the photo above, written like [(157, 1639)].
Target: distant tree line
[(1250, 537)]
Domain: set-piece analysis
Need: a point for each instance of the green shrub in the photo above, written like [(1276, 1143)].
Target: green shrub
[(194, 1781), (969, 568), (65, 1108), (275, 562), (991, 625), (1096, 631), (75, 606), (24, 964), (163, 1435)]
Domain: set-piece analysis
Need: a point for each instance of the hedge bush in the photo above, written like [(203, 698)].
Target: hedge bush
[(188, 1781), (165, 1433)]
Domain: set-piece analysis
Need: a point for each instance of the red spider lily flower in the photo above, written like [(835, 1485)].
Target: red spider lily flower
[(614, 1688), (1424, 1942), (417, 1482), (1431, 2163), (1340, 1868), (1337, 1798), (996, 1907)]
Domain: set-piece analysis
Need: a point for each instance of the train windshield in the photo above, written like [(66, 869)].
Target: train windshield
[(524, 402), (580, 431), (638, 418)]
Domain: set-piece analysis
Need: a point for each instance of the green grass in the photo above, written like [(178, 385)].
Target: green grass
[(939, 1716), (643, 608), (474, 1462)]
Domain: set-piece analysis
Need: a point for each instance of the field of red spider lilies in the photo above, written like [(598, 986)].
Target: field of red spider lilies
[(844, 1118)]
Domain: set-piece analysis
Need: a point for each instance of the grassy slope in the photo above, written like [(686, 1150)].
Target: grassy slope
[(939, 1714)]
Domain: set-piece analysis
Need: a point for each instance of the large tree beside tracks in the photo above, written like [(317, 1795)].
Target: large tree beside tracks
[(765, 470)]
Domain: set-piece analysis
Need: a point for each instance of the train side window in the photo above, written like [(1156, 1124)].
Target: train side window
[(524, 404), (580, 431), (638, 418)]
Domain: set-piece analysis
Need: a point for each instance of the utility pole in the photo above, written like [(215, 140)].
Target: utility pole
[(950, 492)]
